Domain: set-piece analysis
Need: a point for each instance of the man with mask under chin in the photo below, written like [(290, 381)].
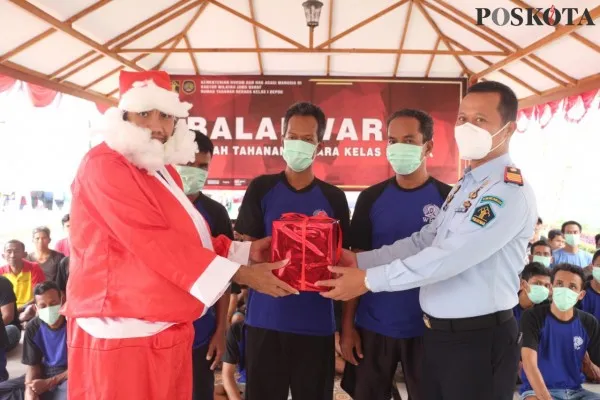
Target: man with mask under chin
[(466, 262), (290, 342)]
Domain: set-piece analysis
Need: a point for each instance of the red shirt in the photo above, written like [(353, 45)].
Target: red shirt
[(63, 246)]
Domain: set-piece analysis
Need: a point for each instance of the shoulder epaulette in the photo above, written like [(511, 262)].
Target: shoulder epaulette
[(513, 175)]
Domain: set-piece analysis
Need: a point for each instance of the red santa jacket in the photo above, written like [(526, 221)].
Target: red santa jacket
[(135, 251)]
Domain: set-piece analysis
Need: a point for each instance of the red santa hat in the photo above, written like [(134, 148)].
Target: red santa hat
[(150, 90)]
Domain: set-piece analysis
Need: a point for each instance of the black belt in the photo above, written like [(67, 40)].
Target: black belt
[(467, 324)]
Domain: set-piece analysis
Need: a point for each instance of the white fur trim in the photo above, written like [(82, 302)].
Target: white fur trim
[(137, 146), (147, 96), (214, 281), (181, 148)]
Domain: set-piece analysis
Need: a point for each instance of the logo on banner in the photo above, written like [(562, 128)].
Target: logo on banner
[(189, 87), (175, 86), (518, 16), (430, 211)]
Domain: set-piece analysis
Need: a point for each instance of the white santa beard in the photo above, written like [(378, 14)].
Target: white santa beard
[(137, 146)]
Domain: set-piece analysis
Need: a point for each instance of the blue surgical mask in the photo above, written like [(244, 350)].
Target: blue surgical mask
[(298, 154), (545, 261), (404, 158), (564, 298)]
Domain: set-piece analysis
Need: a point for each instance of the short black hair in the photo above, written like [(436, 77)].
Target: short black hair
[(41, 229), (205, 145), (540, 221), (306, 109), (66, 218), (539, 243), (596, 255), (17, 242), (508, 105), (43, 287), (425, 121), (562, 228), (596, 238), (574, 269), (534, 269), (554, 233)]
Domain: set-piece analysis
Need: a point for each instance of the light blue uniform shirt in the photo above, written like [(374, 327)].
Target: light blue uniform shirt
[(467, 261)]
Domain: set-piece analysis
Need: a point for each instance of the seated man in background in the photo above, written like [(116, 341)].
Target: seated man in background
[(571, 253), (556, 240), (541, 252), (591, 304), (23, 275), (235, 344), (45, 347), (555, 340), (46, 258), (535, 288), (10, 315)]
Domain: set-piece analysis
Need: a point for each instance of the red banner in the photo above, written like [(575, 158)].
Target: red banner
[(243, 117)]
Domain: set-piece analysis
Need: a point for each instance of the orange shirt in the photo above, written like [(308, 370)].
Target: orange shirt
[(24, 282)]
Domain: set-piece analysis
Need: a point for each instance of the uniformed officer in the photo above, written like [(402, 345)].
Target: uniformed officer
[(466, 262)]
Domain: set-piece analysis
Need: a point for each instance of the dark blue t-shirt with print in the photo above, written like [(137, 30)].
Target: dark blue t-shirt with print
[(591, 302), (267, 198), (560, 346), (386, 213), (217, 218)]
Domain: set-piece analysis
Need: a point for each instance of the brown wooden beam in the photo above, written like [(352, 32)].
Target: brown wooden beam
[(181, 36), (186, 39), (513, 46), (116, 39), (50, 31), (441, 35), (255, 32), (315, 50), (136, 59), (430, 63), (488, 63), (538, 44), (557, 93), (329, 33), (574, 35), (361, 24), (403, 37), (67, 29), (24, 74), (257, 24)]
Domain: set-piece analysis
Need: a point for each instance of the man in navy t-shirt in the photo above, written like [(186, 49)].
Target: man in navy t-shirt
[(290, 340), (555, 340), (535, 288), (45, 347), (591, 301), (210, 329), (389, 325)]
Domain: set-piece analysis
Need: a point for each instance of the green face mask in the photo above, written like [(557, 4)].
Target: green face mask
[(49, 314), (538, 293), (596, 273), (573, 239), (298, 154), (404, 158), (542, 260), (564, 298), (193, 178)]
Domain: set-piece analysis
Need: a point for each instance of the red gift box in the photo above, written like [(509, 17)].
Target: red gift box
[(311, 244)]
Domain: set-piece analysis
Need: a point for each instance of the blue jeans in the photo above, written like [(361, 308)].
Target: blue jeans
[(566, 394)]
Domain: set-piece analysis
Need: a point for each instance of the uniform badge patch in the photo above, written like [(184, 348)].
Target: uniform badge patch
[(483, 215), (492, 199), (513, 175)]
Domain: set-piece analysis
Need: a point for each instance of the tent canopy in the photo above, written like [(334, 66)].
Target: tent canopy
[(78, 47)]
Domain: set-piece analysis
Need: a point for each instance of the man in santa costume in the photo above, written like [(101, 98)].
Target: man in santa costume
[(143, 264)]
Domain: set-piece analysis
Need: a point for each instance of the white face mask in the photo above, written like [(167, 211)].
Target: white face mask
[(474, 142)]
